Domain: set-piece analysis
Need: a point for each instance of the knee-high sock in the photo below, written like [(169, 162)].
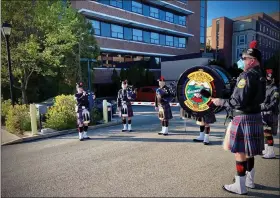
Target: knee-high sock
[(202, 128), (129, 121), (207, 130), (270, 140), (250, 163), (241, 168)]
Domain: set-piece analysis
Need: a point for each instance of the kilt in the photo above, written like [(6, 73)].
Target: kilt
[(246, 135), (167, 113), (206, 119), (80, 118), (129, 110), (270, 122)]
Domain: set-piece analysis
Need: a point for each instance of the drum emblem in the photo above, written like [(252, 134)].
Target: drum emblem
[(194, 100)]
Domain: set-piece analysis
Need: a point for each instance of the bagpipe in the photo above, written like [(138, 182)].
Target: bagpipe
[(167, 93)]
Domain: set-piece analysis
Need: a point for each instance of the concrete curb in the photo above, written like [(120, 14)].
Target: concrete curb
[(58, 133)]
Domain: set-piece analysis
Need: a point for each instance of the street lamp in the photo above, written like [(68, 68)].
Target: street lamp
[(6, 30)]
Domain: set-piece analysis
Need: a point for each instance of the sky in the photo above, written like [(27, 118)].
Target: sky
[(232, 9)]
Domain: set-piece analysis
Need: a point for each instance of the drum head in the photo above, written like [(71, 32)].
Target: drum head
[(191, 82)]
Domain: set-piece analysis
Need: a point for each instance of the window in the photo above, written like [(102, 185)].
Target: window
[(260, 27), (169, 40), (202, 21), (105, 29), (137, 35), (96, 27), (116, 3), (241, 40), (239, 52), (182, 20), (117, 31), (147, 90), (136, 7), (202, 11), (162, 39), (182, 42), (202, 31), (241, 27), (154, 12), (176, 42), (127, 33), (269, 43), (147, 36), (154, 38), (169, 17)]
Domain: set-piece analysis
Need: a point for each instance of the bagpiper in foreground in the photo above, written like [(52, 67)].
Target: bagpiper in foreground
[(125, 96), (83, 115), (246, 131), (270, 111), (162, 100)]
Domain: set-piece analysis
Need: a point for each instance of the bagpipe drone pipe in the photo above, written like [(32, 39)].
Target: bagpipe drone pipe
[(197, 85)]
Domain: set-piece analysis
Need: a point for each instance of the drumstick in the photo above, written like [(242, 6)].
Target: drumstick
[(205, 93)]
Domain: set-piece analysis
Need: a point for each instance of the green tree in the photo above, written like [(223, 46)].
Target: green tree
[(45, 39)]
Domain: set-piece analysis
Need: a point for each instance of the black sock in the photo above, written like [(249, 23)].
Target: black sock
[(265, 139), (124, 121), (85, 128), (162, 123), (80, 129), (269, 140), (250, 163), (129, 121), (166, 123), (202, 128), (241, 168), (207, 130)]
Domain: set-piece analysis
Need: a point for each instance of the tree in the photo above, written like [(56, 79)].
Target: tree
[(44, 41)]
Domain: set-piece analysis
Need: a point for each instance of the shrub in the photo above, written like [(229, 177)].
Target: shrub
[(5, 106), (18, 119), (95, 116), (62, 115)]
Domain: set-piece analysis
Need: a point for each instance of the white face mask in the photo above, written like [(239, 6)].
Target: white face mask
[(161, 84), (124, 86), (80, 90)]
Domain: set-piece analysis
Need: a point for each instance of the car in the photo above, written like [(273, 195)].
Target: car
[(146, 94)]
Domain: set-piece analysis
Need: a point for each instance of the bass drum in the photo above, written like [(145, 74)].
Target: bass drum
[(212, 78)]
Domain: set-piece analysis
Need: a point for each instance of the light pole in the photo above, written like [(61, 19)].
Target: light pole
[(6, 30)]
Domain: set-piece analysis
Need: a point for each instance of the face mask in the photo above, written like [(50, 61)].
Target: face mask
[(241, 64), (124, 86), (161, 84)]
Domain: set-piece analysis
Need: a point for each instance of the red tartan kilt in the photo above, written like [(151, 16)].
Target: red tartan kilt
[(246, 135)]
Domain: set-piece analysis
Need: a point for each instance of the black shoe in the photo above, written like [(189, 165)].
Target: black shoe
[(81, 139), (196, 140), (123, 130), (159, 133), (165, 134), (130, 131), (87, 138), (206, 143)]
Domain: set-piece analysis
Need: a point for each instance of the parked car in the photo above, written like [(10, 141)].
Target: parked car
[(146, 94)]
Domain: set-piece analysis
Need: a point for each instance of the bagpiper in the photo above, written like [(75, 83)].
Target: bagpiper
[(246, 129), (162, 100), (270, 111), (125, 96), (82, 110)]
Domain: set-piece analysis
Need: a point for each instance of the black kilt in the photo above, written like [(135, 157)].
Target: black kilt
[(167, 115), (129, 110), (270, 122)]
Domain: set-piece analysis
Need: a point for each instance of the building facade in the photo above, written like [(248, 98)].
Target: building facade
[(135, 30), (260, 27)]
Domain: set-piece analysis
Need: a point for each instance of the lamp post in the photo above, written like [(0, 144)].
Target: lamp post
[(6, 30)]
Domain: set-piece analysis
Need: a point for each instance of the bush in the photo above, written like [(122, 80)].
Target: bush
[(62, 115), (5, 106), (18, 119), (95, 116)]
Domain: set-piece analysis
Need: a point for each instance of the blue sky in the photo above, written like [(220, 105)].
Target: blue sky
[(232, 9)]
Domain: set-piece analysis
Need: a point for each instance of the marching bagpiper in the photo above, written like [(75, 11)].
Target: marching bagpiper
[(246, 131), (125, 96), (82, 110), (162, 100), (270, 111)]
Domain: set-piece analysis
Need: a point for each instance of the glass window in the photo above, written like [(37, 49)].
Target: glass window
[(137, 35), (202, 3), (146, 10), (162, 15), (241, 39), (127, 33), (116, 3), (202, 11), (176, 19), (147, 36), (176, 42), (96, 27), (136, 7), (154, 38), (162, 39), (169, 17), (182, 42), (202, 31), (202, 21), (154, 12), (169, 40), (241, 27), (260, 27), (127, 4), (117, 31), (182, 20), (105, 29), (202, 39)]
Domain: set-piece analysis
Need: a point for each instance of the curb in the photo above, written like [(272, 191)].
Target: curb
[(58, 133)]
